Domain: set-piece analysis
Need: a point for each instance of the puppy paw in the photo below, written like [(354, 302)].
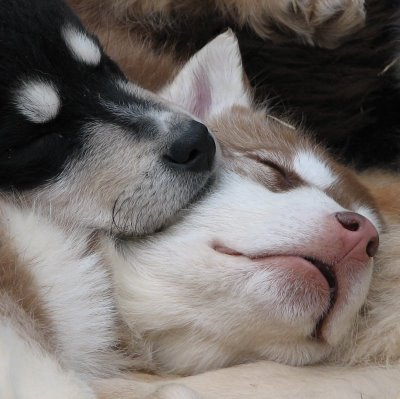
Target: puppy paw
[(326, 23)]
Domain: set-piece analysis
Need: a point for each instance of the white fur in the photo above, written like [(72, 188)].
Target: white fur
[(38, 101), (75, 288), (82, 47), (264, 380), (212, 80), (370, 214), (27, 372), (313, 170)]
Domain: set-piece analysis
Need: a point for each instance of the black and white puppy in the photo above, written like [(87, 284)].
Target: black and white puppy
[(76, 136)]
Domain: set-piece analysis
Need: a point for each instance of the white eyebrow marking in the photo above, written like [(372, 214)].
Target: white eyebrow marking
[(38, 101), (81, 46), (313, 170)]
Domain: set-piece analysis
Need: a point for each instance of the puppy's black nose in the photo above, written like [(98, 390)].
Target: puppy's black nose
[(193, 151)]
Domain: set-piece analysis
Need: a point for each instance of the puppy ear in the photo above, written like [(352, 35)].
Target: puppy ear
[(212, 80)]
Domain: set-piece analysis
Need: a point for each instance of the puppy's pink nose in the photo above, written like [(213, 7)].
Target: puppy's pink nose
[(360, 229)]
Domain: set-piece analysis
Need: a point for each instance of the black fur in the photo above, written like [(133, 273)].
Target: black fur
[(343, 95), (31, 46)]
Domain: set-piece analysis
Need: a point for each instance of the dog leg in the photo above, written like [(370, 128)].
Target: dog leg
[(325, 23), (320, 22)]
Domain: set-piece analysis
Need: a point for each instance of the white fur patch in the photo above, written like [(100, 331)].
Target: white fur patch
[(370, 215), (38, 101), (82, 47), (313, 170)]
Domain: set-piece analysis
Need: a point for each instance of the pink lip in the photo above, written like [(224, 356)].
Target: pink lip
[(326, 275)]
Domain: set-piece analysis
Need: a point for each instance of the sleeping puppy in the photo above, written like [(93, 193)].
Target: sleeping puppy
[(275, 263), (77, 137)]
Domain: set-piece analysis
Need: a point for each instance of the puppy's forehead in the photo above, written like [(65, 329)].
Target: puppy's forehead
[(271, 152), (266, 144)]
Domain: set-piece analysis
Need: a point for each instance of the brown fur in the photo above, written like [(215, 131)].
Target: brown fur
[(150, 68), (385, 188), (246, 134), (305, 20), (125, 27)]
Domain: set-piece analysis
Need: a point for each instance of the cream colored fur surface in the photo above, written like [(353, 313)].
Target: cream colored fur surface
[(267, 380)]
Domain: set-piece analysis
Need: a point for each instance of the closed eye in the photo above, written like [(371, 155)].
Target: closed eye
[(291, 178), (271, 164)]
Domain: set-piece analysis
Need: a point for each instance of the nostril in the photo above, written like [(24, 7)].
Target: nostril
[(181, 157), (193, 155), (372, 247), (352, 226), (349, 220)]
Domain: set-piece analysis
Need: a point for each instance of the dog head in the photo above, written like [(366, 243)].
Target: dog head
[(78, 137), (275, 263)]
